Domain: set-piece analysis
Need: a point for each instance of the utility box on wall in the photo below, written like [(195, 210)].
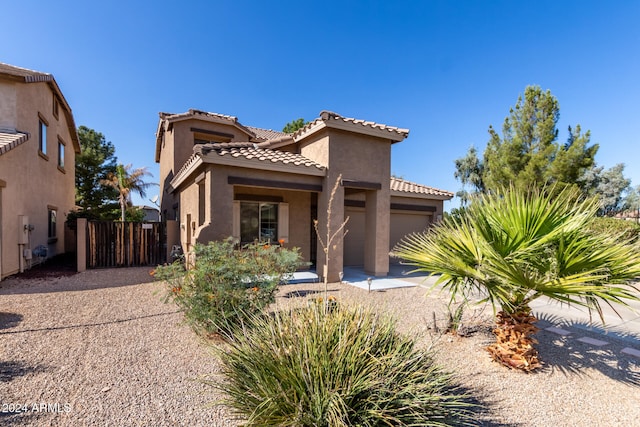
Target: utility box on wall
[(23, 229)]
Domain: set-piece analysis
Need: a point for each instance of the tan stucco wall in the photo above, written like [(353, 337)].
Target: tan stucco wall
[(177, 147), (167, 172), (8, 100), (361, 158), (220, 196), (34, 182)]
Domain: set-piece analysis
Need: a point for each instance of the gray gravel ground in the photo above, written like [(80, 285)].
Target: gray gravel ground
[(103, 343)]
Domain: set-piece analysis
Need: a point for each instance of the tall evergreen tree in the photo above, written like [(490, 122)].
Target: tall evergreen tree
[(528, 153), (294, 125), (608, 186), (469, 170), (96, 160)]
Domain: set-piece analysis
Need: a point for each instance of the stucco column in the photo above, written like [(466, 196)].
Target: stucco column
[(376, 241), (336, 220), (221, 205), (218, 205)]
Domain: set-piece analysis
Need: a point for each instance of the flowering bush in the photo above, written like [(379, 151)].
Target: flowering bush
[(225, 285)]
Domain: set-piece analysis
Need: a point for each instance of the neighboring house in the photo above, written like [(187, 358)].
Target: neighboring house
[(151, 213), (38, 144), (629, 215), (221, 178)]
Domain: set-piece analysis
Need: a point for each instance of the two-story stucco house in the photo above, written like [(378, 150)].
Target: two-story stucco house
[(221, 178), (38, 144)]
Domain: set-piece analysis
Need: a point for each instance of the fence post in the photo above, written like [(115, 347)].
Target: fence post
[(81, 244)]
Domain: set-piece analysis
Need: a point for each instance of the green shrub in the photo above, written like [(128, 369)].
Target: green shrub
[(311, 367), (225, 285), (627, 230)]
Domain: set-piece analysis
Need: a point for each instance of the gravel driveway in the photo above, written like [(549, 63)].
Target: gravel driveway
[(100, 348)]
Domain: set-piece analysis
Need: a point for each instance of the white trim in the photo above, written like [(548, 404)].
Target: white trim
[(283, 222)]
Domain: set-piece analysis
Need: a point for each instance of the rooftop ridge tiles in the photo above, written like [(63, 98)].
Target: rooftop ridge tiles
[(402, 185)]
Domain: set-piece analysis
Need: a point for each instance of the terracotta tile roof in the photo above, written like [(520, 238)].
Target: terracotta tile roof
[(266, 134), (404, 186), (24, 73), (331, 117), (250, 151), (259, 133), (194, 112), (10, 139)]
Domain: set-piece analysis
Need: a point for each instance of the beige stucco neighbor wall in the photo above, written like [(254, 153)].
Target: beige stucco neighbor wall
[(34, 182)]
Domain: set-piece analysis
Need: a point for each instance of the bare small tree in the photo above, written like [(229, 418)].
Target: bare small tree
[(330, 242)]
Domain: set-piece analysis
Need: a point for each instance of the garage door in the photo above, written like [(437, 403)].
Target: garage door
[(403, 223)]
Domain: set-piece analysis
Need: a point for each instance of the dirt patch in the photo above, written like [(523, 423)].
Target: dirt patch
[(58, 266)]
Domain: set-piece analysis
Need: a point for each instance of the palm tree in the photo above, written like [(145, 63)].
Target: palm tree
[(125, 181), (520, 246)]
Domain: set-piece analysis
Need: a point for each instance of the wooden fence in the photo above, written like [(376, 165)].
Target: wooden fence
[(125, 244)]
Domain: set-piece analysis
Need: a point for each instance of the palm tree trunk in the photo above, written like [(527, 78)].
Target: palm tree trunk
[(123, 208), (514, 343)]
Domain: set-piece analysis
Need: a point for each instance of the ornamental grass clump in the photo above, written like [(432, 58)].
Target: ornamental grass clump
[(311, 367), (225, 285)]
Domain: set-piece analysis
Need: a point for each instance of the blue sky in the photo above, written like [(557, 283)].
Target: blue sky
[(444, 69)]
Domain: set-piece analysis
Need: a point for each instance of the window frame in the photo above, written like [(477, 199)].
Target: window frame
[(43, 126), (273, 224), (56, 107), (52, 221), (61, 153)]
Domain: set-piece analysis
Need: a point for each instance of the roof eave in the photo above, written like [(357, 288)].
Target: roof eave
[(159, 135), (277, 142), (198, 115), (421, 195), (213, 157), (392, 135), (187, 169), (227, 160)]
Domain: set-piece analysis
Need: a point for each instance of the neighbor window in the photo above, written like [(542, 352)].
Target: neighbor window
[(53, 215), (43, 137), (56, 106), (61, 154), (258, 222)]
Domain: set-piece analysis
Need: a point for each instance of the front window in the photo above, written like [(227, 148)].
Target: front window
[(258, 222)]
